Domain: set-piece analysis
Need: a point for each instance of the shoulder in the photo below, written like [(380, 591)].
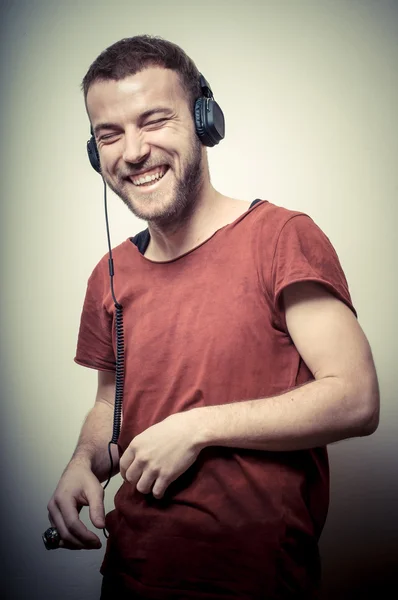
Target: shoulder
[(120, 254), (272, 223), (275, 214)]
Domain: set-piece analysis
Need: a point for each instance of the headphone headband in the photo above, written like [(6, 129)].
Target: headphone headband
[(206, 89)]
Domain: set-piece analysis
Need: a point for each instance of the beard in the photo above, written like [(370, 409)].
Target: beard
[(160, 212)]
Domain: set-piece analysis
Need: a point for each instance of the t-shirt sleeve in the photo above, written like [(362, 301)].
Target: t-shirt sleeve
[(95, 341), (304, 253)]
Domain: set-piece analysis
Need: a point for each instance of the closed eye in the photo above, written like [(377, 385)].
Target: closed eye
[(108, 137), (156, 122)]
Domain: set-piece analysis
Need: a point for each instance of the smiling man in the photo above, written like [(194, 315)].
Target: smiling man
[(244, 359)]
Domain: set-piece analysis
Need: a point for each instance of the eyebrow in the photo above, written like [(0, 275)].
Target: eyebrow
[(142, 117)]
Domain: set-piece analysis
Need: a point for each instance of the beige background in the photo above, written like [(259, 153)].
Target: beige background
[(309, 91)]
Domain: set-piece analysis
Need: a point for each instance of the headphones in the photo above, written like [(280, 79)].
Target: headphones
[(209, 124)]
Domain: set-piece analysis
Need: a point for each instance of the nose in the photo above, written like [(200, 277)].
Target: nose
[(136, 148)]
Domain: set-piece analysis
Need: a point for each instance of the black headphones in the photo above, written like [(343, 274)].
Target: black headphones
[(209, 124)]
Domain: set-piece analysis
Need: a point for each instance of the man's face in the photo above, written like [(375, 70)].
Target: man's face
[(150, 154)]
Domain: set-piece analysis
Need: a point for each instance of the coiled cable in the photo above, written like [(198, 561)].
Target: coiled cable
[(119, 385)]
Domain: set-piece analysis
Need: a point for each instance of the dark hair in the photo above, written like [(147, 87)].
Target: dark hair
[(132, 55)]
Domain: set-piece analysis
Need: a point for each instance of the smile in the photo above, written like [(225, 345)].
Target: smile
[(149, 177)]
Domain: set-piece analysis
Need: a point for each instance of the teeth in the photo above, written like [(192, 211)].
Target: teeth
[(148, 178)]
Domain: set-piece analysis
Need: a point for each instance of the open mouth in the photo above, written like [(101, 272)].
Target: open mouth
[(150, 177)]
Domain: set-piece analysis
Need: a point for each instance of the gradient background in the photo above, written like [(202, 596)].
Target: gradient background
[(309, 91)]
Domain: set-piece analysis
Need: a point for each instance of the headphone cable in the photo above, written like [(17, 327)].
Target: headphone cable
[(119, 353)]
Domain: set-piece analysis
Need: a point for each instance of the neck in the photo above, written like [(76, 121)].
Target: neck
[(200, 221)]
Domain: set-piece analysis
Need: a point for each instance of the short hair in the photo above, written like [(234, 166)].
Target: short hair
[(132, 55)]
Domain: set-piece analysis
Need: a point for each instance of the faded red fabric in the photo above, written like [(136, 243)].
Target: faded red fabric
[(204, 329)]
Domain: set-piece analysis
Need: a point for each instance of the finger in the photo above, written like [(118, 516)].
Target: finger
[(67, 539), (56, 519), (125, 461), (146, 482), (75, 528), (61, 542), (95, 497), (160, 487), (135, 472)]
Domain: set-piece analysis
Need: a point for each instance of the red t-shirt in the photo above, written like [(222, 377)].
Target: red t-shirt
[(203, 329)]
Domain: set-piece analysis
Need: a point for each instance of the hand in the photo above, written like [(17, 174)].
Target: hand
[(77, 487), (159, 455)]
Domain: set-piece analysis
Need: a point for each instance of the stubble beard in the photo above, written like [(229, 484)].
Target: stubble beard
[(186, 194)]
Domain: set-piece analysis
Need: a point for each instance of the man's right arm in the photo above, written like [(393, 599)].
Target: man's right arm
[(80, 482), (92, 447)]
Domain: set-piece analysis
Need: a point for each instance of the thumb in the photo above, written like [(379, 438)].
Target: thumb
[(95, 497)]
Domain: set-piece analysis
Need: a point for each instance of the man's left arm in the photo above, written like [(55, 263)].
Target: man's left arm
[(341, 402)]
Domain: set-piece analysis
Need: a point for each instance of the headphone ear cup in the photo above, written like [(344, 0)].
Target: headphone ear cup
[(209, 121), (200, 126), (93, 155)]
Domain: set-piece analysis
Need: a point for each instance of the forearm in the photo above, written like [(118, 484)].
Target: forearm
[(313, 415), (92, 446)]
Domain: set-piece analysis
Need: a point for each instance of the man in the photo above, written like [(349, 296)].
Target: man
[(244, 359)]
